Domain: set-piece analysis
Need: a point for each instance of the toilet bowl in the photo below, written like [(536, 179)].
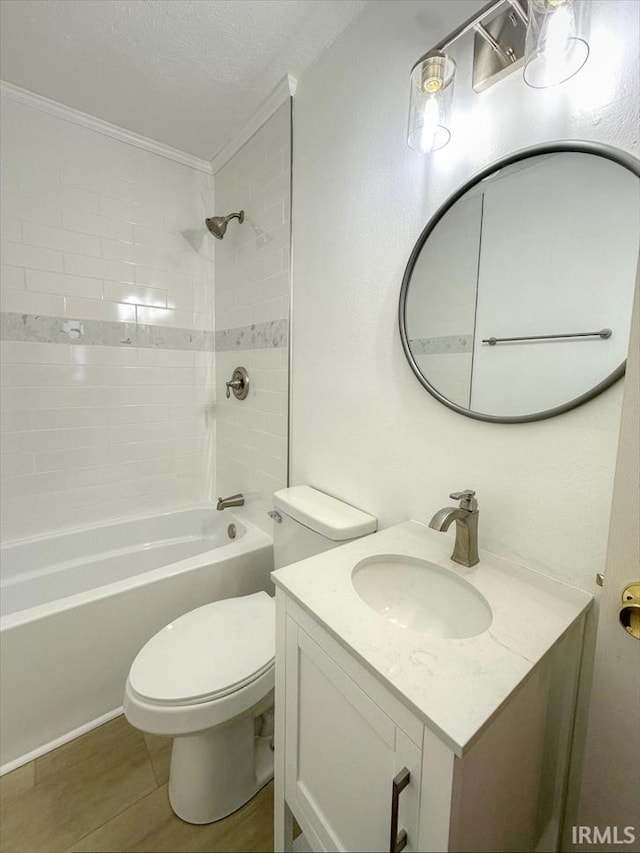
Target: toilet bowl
[(207, 681)]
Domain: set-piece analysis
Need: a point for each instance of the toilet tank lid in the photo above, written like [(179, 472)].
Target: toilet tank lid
[(323, 514)]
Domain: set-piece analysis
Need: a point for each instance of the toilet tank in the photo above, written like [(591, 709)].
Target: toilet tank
[(313, 522)]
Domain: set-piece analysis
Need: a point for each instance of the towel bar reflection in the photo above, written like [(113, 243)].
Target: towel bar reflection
[(603, 333)]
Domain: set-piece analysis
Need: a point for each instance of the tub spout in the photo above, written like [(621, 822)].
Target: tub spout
[(234, 500)]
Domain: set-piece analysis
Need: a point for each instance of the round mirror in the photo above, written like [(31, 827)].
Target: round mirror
[(516, 301)]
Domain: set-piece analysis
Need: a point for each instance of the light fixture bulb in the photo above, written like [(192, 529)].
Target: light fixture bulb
[(434, 84), (431, 124), (558, 35), (431, 93), (554, 53)]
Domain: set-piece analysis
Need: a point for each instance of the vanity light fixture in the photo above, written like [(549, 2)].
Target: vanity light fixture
[(554, 53), (431, 93), (539, 34)]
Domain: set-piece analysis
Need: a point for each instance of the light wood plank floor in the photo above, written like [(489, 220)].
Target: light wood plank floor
[(107, 791)]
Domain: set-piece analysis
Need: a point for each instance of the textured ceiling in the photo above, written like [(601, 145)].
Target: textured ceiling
[(189, 73)]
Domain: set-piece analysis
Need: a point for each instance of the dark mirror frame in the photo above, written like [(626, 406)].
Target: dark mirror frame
[(623, 159)]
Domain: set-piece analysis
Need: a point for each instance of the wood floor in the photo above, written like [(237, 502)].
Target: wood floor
[(107, 791)]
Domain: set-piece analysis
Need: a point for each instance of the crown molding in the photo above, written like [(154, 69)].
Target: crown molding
[(285, 89), (39, 102)]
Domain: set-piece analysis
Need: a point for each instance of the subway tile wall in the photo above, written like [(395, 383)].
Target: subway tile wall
[(252, 273), (97, 230)]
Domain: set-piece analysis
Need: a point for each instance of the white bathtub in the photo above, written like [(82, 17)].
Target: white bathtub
[(78, 606)]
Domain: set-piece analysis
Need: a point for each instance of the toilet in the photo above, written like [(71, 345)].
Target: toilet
[(207, 678)]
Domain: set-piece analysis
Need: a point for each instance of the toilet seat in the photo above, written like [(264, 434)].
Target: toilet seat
[(204, 668), (208, 653)]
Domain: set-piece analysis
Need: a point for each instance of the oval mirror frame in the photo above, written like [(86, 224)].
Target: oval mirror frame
[(627, 161)]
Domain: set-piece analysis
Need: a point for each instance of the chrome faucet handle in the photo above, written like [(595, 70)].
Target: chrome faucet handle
[(466, 498), (239, 384), (234, 383)]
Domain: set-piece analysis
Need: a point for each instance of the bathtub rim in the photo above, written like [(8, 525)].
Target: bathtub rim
[(252, 539), (206, 505)]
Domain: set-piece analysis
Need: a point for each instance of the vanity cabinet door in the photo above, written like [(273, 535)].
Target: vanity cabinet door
[(342, 754)]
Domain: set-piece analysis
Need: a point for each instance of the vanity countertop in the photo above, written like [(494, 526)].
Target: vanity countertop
[(454, 685)]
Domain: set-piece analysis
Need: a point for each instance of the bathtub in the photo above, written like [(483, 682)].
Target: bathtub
[(76, 607)]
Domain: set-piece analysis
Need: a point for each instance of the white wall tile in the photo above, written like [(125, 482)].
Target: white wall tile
[(18, 255), (15, 463), (99, 268), (66, 285), (113, 208), (135, 294), (165, 317), (103, 355), (252, 286), (161, 240), (95, 309), (80, 200), (173, 358), (11, 229), (12, 278), (96, 432), (58, 238), (38, 186), (27, 352), (132, 254), (37, 441), (29, 209), (9, 179), (23, 302), (67, 460)]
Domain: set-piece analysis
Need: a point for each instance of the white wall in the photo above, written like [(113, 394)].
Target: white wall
[(110, 236), (362, 427), (252, 316)]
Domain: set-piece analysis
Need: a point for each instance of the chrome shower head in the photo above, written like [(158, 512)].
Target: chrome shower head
[(218, 224)]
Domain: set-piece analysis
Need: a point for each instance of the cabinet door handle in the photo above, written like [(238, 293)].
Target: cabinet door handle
[(398, 839)]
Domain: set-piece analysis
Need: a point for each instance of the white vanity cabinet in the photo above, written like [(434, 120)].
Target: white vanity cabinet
[(480, 721), (343, 750), (342, 737)]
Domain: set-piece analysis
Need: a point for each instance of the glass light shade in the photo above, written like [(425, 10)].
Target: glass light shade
[(430, 102), (553, 50)]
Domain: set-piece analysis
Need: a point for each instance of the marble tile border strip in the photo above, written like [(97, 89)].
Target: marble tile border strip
[(443, 344), (37, 328), (269, 335)]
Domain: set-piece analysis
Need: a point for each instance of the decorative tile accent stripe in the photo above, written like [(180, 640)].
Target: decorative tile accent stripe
[(59, 330), (269, 335), (442, 344), (41, 329)]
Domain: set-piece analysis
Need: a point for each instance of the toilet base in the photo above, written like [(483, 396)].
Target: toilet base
[(216, 771)]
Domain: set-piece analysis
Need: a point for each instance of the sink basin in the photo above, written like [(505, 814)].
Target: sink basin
[(421, 596)]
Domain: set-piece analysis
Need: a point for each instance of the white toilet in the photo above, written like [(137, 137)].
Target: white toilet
[(207, 678)]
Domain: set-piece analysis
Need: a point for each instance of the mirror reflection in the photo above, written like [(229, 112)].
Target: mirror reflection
[(517, 299)]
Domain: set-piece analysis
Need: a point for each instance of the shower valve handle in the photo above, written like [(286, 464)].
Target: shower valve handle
[(239, 384), (234, 383)]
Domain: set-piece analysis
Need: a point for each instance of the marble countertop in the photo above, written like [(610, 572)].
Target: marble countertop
[(454, 685)]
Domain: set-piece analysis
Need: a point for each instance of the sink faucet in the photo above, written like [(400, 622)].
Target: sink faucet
[(234, 500), (465, 551)]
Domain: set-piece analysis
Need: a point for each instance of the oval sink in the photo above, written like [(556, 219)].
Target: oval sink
[(421, 596)]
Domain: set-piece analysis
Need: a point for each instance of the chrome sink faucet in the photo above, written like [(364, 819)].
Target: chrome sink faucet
[(465, 550), (234, 500)]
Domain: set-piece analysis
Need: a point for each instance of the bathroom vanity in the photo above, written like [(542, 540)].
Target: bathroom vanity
[(403, 724)]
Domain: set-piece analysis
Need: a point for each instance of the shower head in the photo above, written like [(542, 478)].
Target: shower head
[(218, 224)]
